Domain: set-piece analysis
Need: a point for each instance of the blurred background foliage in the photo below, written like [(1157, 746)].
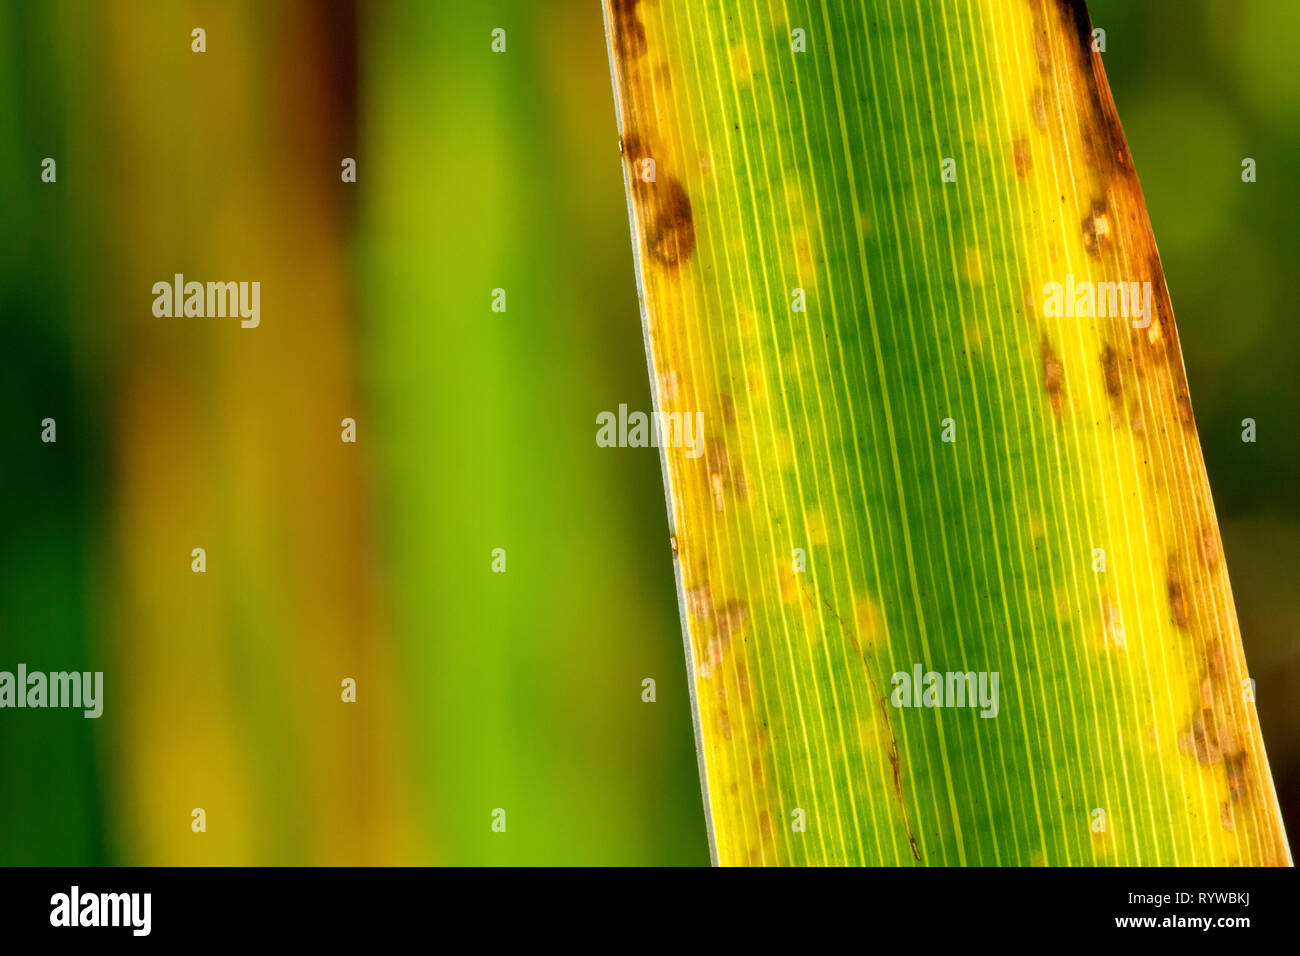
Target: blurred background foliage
[(326, 560)]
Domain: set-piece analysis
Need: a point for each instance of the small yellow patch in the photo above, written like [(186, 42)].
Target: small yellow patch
[(804, 251), (867, 732), (812, 620), (816, 526), (971, 266), (789, 584), (741, 71), (1102, 842), (792, 363), (794, 199), (870, 625), (1064, 606)]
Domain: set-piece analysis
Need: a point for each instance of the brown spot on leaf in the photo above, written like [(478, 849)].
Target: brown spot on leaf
[(718, 487), (1020, 153), (699, 602), (898, 794), (1039, 106), (1209, 548), (715, 648), (1075, 13), (723, 622), (670, 233), (730, 617), (1112, 146), (1235, 764), (1214, 657), (629, 33), (728, 409), (724, 476), (663, 207), (1139, 423), (1177, 595), (630, 146), (1096, 228), (1110, 372), (1053, 376), (1201, 739)]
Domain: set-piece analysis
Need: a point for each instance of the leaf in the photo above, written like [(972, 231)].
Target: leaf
[(975, 486)]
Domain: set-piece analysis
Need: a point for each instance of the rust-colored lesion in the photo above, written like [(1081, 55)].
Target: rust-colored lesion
[(1021, 156), (1053, 376), (629, 32), (726, 478), (1177, 592), (1110, 372), (670, 238), (663, 208), (722, 621), (661, 204), (1105, 137)]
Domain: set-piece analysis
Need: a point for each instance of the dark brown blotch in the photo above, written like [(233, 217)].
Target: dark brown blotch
[(1075, 12), (670, 236), (1110, 372), (629, 32), (630, 145), (1053, 376), (1177, 595)]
